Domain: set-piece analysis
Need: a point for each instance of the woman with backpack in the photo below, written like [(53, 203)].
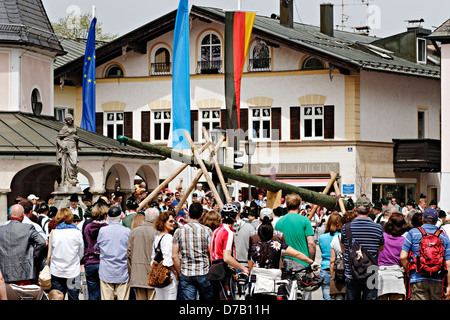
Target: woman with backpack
[(390, 272)]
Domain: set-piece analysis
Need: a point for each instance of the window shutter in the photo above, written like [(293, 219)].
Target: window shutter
[(328, 120), (99, 122), (223, 119), (295, 123), (128, 124), (244, 123), (145, 126), (276, 124), (194, 125)]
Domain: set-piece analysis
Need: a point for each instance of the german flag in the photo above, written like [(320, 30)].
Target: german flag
[(238, 29)]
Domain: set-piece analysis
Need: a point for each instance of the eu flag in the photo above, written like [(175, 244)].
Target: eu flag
[(88, 116)]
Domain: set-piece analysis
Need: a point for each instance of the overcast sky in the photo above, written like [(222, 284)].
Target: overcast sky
[(385, 17)]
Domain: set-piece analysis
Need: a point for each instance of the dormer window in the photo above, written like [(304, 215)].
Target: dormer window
[(114, 71), (421, 51), (312, 63)]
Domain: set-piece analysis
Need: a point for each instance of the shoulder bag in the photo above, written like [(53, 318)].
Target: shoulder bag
[(159, 275)]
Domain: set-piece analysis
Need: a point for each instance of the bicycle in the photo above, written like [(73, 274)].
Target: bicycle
[(291, 286), (294, 283), (241, 286)]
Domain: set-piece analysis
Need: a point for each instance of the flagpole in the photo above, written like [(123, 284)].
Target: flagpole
[(93, 12), (239, 4)]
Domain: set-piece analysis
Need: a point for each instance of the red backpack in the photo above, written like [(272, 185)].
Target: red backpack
[(430, 259)]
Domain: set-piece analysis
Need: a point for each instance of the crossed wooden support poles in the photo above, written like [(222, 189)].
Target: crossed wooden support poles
[(334, 183), (203, 171), (273, 198)]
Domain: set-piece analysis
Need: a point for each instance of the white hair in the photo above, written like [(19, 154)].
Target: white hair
[(151, 214)]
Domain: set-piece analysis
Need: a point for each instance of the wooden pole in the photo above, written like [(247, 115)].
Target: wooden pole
[(216, 166), (167, 181), (195, 181), (203, 168), (338, 193), (325, 191), (231, 173)]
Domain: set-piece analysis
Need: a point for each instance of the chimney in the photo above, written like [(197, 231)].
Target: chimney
[(287, 13), (326, 19)]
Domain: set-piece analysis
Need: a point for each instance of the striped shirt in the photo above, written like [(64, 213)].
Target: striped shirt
[(193, 240), (367, 233), (222, 239)]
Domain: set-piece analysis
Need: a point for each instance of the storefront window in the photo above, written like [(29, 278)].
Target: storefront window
[(403, 192)]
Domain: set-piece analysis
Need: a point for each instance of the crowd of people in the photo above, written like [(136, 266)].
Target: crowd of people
[(105, 248)]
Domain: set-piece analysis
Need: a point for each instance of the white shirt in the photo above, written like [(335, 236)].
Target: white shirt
[(67, 249), (166, 248)]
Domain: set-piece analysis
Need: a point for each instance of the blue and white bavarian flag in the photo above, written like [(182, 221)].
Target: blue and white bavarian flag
[(88, 116)]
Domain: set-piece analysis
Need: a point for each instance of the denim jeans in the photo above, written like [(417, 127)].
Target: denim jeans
[(325, 274), (93, 281), (358, 290), (190, 287), (68, 286)]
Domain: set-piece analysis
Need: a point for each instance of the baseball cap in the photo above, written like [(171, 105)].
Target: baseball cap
[(430, 214), (266, 212), (32, 197)]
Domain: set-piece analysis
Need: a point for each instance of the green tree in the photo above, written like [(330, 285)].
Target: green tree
[(77, 27)]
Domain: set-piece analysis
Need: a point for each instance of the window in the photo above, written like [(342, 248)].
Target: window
[(309, 122), (312, 64), (261, 123), (114, 124), (161, 125), (162, 64), (60, 113), (312, 122), (210, 119), (421, 51), (421, 123), (401, 191), (261, 58), (36, 103), (114, 71), (210, 54)]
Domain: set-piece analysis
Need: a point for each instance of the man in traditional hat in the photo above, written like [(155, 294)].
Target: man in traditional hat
[(74, 207), (433, 204), (132, 206), (410, 205)]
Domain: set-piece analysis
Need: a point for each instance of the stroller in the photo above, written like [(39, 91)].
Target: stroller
[(28, 292)]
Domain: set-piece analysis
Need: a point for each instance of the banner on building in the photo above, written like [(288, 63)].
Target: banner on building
[(238, 29)]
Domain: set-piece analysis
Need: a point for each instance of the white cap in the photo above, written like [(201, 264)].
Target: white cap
[(32, 197), (266, 212)]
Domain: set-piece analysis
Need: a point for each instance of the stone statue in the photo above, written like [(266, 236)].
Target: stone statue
[(67, 152)]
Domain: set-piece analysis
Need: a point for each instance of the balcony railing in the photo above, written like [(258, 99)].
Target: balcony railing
[(259, 65), (161, 69), (209, 67), (423, 155)]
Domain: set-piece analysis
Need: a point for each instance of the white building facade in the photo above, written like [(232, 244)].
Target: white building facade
[(310, 112)]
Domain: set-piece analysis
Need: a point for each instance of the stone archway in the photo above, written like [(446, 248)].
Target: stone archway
[(38, 179), (149, 176), (118, 174)]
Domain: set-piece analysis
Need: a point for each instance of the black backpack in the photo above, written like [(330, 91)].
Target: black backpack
[(359, 258)]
